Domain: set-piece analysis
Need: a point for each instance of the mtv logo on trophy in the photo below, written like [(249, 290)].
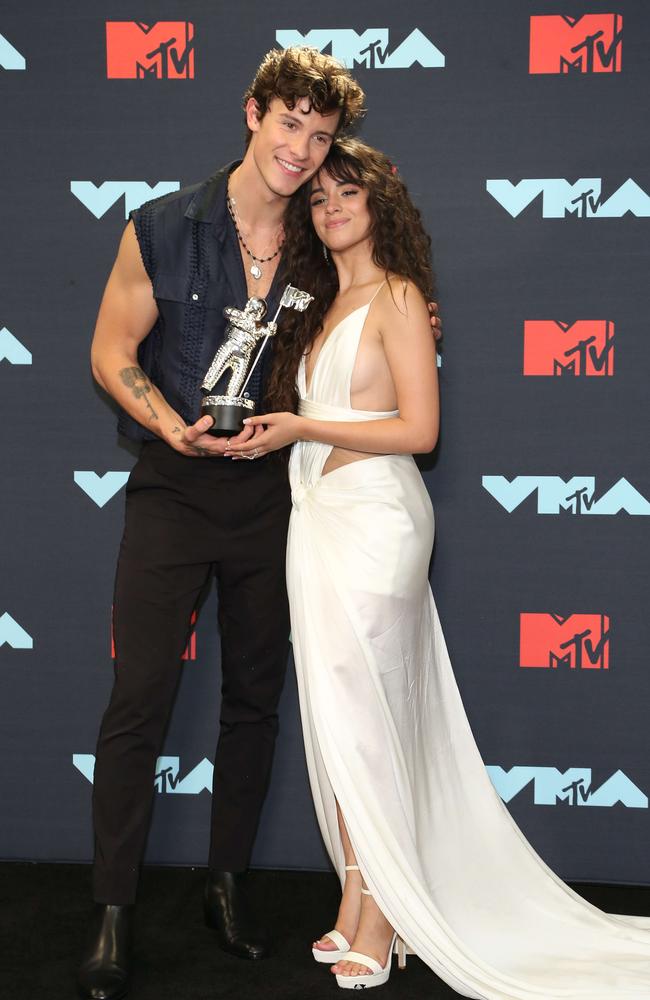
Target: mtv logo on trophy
[(230, 372)]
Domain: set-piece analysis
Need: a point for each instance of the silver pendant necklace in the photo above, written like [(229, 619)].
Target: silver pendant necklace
[(255, 269)]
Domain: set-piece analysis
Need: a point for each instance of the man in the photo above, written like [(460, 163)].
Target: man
[(182, 259)]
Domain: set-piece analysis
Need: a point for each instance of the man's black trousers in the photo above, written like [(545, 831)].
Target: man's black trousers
[(187, 518)]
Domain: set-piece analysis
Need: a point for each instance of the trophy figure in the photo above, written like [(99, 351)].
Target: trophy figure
[(231, 362)]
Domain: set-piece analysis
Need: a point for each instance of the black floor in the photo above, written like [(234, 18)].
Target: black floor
[(44, 908)]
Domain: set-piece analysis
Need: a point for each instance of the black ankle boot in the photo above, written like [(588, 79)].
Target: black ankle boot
[(104, 970), (226, 911)]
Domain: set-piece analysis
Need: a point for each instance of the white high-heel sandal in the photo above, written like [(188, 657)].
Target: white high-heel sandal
[(380, 973), (343, 946)]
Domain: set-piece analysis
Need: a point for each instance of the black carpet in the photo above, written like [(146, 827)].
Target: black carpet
[(44, 910)]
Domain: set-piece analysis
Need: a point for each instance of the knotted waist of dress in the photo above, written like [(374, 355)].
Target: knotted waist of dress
[(308, 457)]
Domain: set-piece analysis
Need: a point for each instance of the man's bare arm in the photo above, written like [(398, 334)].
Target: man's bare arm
[(126, 315)]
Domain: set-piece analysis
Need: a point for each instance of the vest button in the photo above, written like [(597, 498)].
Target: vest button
[(195, 297)]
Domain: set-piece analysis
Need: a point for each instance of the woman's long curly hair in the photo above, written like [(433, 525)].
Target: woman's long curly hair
[(400, 247)]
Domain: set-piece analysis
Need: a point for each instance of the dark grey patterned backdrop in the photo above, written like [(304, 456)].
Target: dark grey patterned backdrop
[(535, 187)]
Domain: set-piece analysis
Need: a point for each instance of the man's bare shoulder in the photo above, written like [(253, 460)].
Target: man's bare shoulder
[(129, 266)]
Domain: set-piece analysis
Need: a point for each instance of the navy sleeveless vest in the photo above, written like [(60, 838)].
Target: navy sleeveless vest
[(190, 252)]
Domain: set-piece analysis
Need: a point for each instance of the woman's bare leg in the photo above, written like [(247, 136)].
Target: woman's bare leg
[(347, 920), (372, 934)]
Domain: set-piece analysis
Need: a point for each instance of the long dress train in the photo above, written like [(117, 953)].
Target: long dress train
[(387, 736)]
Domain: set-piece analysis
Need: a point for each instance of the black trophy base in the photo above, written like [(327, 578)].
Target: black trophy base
[(228, 413)]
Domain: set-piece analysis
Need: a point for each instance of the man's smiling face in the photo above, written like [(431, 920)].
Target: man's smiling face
[(289, 145)]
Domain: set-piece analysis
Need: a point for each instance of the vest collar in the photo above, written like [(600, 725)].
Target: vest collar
[(209, 202)]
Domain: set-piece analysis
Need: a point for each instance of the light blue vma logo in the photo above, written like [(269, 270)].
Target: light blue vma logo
[(99, 198), (370, 48), (167, 779), (101, 489), (561, 198), (12, 350), (575, 496), (572, 787), (10, 57), (14, 634)]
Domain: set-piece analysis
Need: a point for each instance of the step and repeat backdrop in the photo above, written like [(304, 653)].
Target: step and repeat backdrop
[(521, 130)]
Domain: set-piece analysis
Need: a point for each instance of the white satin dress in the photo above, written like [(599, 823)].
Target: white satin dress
[(386, 734)]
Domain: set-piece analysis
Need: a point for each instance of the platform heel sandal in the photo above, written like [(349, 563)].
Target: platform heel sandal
[(401, 951), (343, 946), (380, 973)]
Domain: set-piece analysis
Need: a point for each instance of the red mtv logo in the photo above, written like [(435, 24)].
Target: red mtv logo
[(164, 50), (585, 347), (190, 649), (580, 642), (590, 43)]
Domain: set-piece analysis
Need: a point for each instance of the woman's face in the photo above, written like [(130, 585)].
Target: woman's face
[(339, 212)]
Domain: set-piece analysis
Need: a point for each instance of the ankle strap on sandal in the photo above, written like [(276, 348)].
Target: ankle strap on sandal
[(352, 868)]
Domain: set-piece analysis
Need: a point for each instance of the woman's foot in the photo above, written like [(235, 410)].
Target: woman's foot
[(373, 938), (347, 920)]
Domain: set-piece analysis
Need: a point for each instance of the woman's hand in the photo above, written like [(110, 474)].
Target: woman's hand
[(436, 322), (277, 431)]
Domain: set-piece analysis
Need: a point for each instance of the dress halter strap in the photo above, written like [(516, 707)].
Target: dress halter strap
[(377, 291)]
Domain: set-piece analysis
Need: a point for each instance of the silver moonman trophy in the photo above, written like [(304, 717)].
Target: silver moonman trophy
[(231, 362)]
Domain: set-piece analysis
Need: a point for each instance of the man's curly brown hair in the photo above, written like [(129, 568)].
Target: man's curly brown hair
[(302, 71), (401, 247)]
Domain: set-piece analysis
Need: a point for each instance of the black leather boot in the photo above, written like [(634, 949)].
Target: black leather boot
[(227, 912), (104, 970)]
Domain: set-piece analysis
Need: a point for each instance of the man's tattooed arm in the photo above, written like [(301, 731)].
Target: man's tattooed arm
[(195, 448), (136, 380)]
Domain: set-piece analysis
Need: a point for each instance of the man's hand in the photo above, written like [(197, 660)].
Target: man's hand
[(436, 323), (195, 441)]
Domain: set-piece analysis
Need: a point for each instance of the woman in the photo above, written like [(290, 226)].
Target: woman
[(400, 790)]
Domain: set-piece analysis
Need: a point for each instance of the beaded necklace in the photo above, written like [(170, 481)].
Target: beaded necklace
[(255, 268)]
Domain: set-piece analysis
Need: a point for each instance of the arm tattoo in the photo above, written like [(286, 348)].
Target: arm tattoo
[(136, 380), (176, 429)]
